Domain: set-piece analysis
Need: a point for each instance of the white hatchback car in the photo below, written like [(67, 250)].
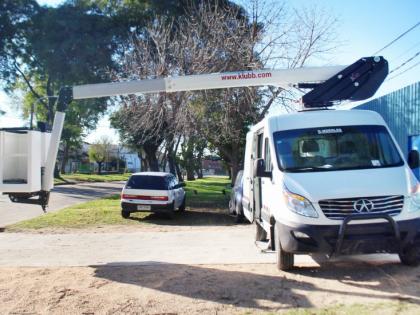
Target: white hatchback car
[(152, 191)]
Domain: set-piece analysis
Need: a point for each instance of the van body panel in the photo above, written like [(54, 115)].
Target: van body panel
[(327, 186), (317, 186)]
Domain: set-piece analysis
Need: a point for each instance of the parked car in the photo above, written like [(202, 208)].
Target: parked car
[(235, 203), (154, 192)]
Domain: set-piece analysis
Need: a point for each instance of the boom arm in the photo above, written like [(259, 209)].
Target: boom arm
[(328, 84), (284, 78)]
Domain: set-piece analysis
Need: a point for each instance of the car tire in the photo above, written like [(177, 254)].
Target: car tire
[(182, 206), (410, 256), (260, 233), (125, 214), (285, 260)]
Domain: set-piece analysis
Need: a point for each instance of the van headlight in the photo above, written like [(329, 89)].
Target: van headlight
[(299, 204), (415, 199)]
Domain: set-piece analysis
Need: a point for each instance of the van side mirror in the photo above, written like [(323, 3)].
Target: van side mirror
[(413, 159), (259, 169)]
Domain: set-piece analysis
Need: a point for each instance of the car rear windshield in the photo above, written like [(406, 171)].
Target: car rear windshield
[(335, 148), (147, 182)]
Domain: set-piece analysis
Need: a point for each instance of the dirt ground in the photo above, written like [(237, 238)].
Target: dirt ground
[(204, 289)]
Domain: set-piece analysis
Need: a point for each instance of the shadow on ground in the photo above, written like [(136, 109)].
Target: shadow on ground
[(282, 291), (190, 217)]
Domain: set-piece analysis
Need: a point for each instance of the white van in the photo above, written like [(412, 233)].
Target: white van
[(331, 182)]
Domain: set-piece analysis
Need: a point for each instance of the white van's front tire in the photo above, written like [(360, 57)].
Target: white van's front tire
[(285, 261), (410, 256)]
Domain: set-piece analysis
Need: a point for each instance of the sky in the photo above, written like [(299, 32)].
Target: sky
[(364, 27)]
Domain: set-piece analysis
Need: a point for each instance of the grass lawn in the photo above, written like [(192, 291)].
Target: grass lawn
[(206, 205), (77, 177)]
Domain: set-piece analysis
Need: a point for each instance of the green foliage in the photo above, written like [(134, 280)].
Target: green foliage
[(15, 18)]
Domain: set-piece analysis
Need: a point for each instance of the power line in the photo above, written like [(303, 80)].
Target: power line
[(393, 41), (407, 51), (405, 62), (398, 74)]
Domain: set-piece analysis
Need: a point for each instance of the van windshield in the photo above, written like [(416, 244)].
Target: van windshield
[(147, 182), (335, 148)]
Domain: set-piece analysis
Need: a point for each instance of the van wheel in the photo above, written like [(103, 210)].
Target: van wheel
[(125, 214), (410, 256), (239, 216), (260, 233), (285, 261), (182, 206)]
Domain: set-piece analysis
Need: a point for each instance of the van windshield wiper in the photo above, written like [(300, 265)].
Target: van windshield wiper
[(309, 168)]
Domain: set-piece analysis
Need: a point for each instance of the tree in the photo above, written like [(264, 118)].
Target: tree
[(15, 18), (216, 39), (219, 37), (100, 152)]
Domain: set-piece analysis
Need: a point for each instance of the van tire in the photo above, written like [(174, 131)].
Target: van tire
[(285, 260), (239, 216), (410, 256), (260, 233), (125, 214), (182, 206)]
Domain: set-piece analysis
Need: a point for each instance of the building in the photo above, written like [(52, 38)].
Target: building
[(78, 161), (401, 111)]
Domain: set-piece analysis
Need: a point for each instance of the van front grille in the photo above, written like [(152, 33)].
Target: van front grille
[(339, 209)]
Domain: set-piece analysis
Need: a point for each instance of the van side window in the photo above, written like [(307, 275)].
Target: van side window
[(267, 156)]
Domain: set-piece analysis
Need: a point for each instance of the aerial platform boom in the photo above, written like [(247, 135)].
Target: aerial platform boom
[(328, 85)]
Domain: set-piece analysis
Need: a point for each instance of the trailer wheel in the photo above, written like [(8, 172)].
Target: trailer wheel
[(285, 261), (260, 233), (410, 256)]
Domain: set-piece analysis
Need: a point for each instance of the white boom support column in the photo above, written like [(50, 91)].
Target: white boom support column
[(284, 78), (47, 179)]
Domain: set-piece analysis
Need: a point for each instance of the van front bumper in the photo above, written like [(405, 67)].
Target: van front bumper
[(355, 239)]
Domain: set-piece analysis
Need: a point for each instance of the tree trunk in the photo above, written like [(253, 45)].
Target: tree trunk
[(178, 172), (190, 173), (152, 161), (65, 158), (99, 168)]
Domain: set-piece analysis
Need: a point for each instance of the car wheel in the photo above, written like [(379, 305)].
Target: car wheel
[(260, 233), (285, 260), (182, 206), (125, 214), (410, 256)]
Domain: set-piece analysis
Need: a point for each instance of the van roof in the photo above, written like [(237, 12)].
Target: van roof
[(162, 174), (320, 118)]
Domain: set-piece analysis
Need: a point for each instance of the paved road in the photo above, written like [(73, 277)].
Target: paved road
[(61, 197), (218, 245)]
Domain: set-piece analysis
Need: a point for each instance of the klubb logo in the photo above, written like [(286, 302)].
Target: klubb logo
[(248, 75)]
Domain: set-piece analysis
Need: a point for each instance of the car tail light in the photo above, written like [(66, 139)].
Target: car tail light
[(160, 198)]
